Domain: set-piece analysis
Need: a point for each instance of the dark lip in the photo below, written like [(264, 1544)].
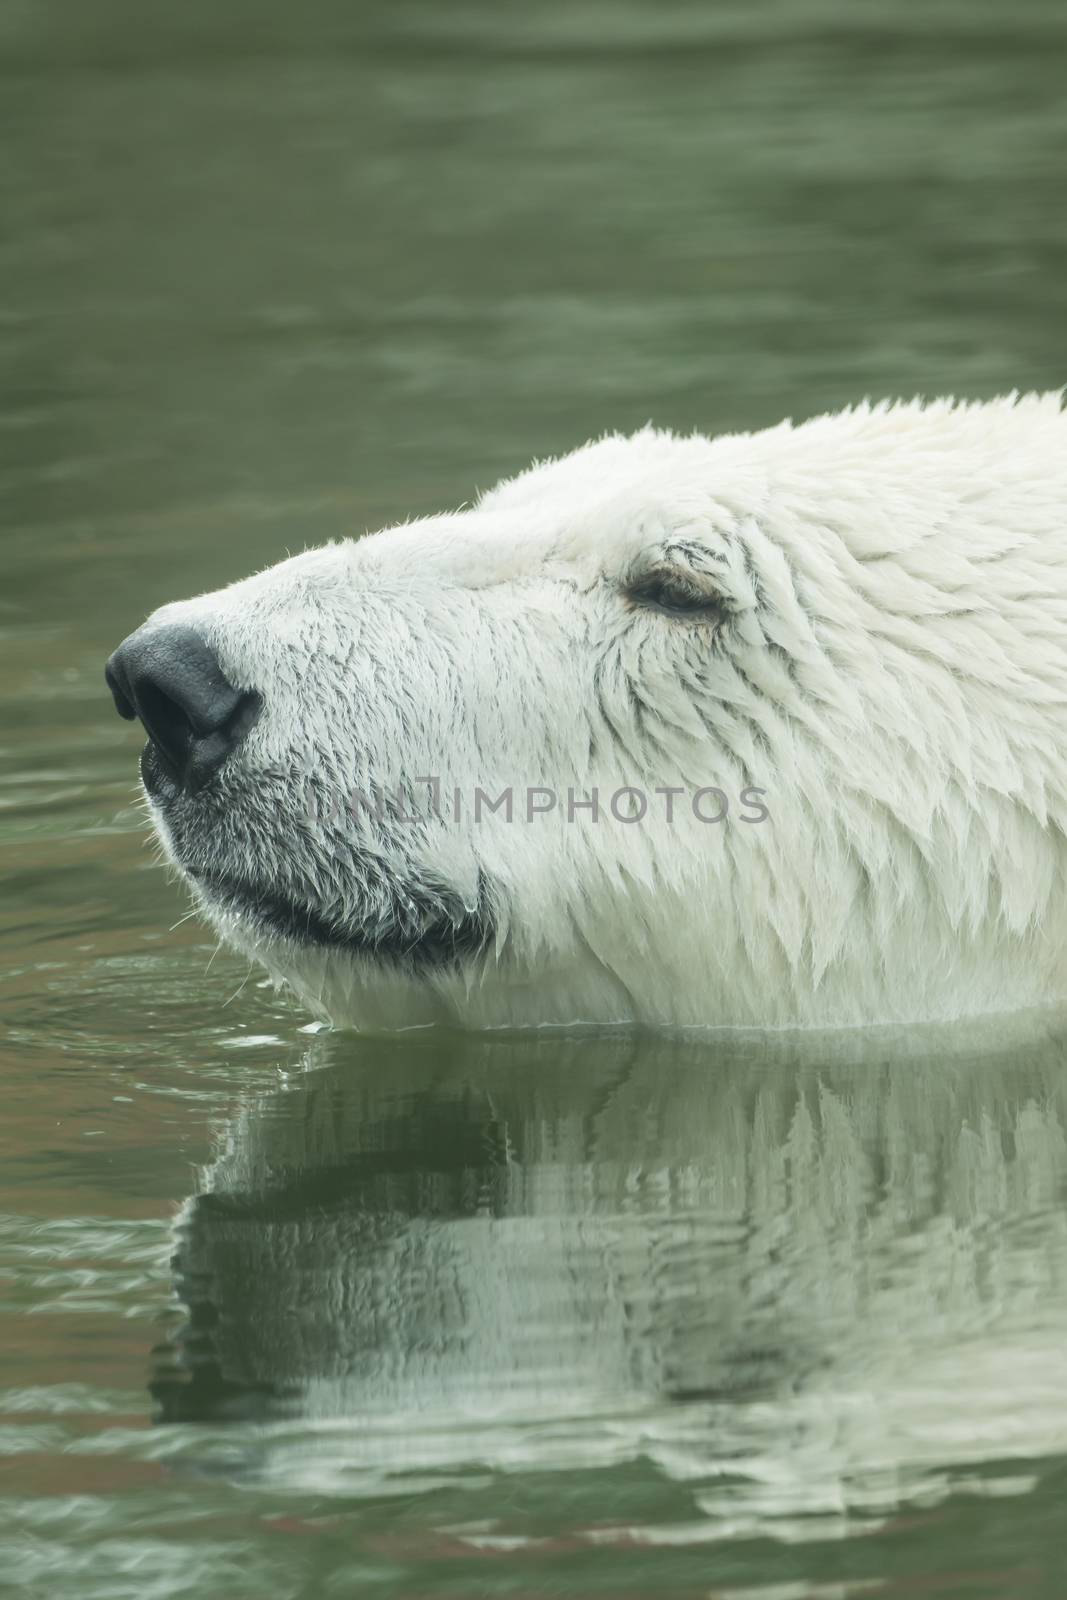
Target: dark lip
[(441, 943), (280, 915)]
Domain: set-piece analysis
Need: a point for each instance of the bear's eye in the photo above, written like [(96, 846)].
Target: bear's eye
[(674, 593)]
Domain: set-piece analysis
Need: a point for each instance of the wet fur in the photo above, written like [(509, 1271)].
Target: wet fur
[(883, 653)]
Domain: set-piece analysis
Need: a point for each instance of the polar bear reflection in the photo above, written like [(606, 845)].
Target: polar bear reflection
[(837, 1270)]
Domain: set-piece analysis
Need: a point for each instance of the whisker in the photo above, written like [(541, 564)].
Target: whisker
[(240, 988)]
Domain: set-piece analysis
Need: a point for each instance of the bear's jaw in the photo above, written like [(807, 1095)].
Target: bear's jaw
[(422, 931), (278, 888)]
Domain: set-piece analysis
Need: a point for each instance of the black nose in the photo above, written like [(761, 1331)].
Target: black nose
[(171, 678)]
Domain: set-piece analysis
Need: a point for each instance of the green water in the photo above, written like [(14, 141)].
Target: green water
[(297, 1315)]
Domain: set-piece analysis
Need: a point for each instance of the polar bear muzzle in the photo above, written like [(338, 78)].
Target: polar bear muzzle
[(169, 676)]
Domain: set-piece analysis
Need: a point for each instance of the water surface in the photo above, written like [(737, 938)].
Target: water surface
[(287, 1314)]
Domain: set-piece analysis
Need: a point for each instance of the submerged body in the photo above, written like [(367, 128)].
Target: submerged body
[(780, 717)]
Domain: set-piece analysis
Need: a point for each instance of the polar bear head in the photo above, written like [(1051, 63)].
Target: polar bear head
[(669, 730)]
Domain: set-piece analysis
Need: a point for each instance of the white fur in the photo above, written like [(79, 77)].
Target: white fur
[(890, 669)]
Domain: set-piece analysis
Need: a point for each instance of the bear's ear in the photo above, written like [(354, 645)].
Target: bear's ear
[(678, 580)]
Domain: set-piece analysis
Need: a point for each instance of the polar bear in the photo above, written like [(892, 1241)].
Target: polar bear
[(759, 730)]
